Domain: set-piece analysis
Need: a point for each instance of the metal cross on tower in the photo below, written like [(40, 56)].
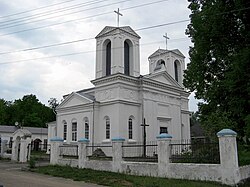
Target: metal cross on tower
[(167, 38), (118, 14)]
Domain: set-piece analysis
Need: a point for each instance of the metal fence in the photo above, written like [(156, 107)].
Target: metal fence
[(39, 147), (8, 148), (69, 151), (139, 152), (101, 151), (187, 151)]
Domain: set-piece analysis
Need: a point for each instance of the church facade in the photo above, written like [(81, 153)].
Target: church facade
[(122, 99)]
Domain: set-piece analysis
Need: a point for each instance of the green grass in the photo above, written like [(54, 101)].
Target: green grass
[(118, 180)]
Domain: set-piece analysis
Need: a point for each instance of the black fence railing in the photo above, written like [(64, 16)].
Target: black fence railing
[(39, 147), (187, 151), (139, 152), (8, 148), (68, 151), (101, 151)]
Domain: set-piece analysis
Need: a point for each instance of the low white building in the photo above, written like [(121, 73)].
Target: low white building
[(122, 99), (39, 137)]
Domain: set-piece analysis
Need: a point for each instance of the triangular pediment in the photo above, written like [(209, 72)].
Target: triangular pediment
[(164, 77), (108, 30), (74, 99), (165, 51)]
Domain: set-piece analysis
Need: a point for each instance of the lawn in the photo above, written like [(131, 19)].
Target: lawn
[(118, 180)]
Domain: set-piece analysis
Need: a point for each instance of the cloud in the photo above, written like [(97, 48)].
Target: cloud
[(54, 77)]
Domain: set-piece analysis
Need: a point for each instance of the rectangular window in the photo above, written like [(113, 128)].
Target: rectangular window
[(163, 130), (11, 141), (74, 131), (45, 143), (65, 132)]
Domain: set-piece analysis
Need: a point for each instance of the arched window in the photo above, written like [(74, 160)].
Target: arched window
[(130, 128), (74, 130), (108, 58), (159, 64), (176, 70), (107, 121), (86, 124), (64, 130), (126, 58)]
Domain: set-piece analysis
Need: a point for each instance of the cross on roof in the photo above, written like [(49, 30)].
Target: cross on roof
[(118, 14), (167, 38)]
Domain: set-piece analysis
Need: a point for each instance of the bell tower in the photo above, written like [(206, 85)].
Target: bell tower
[(171, 61), (117, 51)]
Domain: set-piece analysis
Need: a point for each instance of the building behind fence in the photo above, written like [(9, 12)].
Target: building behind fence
[(165, 158)]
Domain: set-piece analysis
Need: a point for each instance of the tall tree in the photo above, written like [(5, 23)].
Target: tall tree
[(219, 68), (27, 111)]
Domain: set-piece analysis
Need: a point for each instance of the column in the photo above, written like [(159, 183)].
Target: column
[(82, 152), (163, 148), (117, 153), (15, 147), (55, 142), (228, 157), (3, 147), (24, 149)]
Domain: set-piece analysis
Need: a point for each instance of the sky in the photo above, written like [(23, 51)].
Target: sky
[(51, 72)]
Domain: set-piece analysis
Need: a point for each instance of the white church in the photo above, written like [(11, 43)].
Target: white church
[(122, 99)]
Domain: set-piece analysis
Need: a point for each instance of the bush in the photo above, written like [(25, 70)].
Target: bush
[(32, 162)]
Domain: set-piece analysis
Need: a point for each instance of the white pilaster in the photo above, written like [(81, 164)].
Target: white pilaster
[(117, 153), (228, 157), (163, 141)]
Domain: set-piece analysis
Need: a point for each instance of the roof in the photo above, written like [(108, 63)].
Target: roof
[(82, 93), (33, 130), (91, 97), (108, 29), (163, 51)]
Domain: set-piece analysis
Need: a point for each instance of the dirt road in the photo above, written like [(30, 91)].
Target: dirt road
[(12, 176)]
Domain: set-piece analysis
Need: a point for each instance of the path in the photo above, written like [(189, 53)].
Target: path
[(11, 175)]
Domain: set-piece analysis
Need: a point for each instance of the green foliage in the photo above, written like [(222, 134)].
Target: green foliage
[(219, 70), (244, 154), (27, 111), (32, 162), (116, 179)]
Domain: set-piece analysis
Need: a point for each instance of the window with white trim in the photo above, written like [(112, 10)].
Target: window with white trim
[(163, 130), (130, 128), (107, 121), (64, 130), (74, 131), (86, 124)]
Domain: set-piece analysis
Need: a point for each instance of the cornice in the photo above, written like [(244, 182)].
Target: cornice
[(114, 77), (120, 102), (78, 107)]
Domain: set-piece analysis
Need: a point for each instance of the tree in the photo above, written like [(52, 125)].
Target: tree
[(219, 70), (53, 103), (3, 114), (27, 111)]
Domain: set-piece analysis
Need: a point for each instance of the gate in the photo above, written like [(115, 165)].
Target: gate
[(39, 152)]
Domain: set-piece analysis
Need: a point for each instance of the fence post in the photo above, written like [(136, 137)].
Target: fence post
[(55, 149), (228, 157), (82, 152), (117, 154), (163, 141), (24, 142)]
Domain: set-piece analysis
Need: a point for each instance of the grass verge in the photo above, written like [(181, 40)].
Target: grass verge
[(118, 180)]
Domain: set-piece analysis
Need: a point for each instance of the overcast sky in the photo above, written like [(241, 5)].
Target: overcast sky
[(71, 20)]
